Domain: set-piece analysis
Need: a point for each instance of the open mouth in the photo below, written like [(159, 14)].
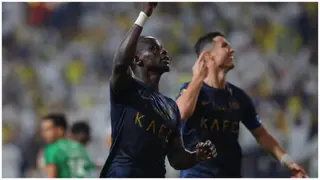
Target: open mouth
[(231, 58), (166, 60)]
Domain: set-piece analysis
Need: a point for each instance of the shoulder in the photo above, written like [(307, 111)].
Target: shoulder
[(184, 85), (172, 108), (133, 83), (51, 149), (240, 95), (237, 91), (183, 88), (74, 143)]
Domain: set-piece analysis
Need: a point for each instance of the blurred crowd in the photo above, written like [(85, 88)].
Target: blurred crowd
[(57, 57)]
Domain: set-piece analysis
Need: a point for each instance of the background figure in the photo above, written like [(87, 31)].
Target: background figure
[(80, 132), (65, 65)]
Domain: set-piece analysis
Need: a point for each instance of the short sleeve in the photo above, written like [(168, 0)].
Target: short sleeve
[(189, 133), (177, 129), (182, 89), (250, 117), (122, 97), (50, 155)]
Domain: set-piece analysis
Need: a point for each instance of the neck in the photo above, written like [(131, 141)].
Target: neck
[(216, 78), (150, 78)]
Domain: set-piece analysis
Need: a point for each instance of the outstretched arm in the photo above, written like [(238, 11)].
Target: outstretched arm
[(269, 144), (252, 121), (179, 158), (121, 75), (188, 99)]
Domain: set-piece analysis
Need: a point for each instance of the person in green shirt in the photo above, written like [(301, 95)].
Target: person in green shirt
[(81, 133), (64, 158)]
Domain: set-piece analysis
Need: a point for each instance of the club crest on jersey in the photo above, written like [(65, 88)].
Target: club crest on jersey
[(235, 105)]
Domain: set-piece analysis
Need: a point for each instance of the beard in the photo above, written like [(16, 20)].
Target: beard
[(227, 67), (159, 68)]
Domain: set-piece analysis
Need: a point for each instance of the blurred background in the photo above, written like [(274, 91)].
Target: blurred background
[(57, 57)]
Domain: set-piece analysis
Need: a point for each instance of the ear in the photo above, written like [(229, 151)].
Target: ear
[(137, 61)]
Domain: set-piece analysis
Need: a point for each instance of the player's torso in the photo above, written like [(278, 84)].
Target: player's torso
[(218, 114), (149, 122), (217, 117), (73, 160)]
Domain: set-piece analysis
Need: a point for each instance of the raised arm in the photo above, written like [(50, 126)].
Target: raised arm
[(180, 158), (188, 99), (121, 75)]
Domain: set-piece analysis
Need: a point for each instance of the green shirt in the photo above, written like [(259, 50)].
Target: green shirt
[(71, 158)]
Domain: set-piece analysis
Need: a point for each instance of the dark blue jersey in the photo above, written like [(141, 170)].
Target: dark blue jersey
[(217, 116), (143, 121)]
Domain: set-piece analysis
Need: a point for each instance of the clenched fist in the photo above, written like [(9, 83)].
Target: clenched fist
[(205, 151), (148, 8), (297, 171)]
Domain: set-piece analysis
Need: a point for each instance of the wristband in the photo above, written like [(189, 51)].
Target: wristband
[(285, 160), (142, 18)]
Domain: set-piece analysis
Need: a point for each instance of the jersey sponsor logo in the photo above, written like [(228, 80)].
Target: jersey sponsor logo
[(216, 125), (154, 127)]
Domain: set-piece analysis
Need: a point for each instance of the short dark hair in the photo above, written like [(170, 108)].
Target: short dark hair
[(204, 40), (81, 130), (80, 127), (58, 120)]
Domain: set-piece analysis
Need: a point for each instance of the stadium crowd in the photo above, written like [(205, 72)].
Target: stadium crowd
[(57, 57)]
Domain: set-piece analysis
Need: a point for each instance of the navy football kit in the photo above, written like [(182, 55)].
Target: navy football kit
[(217, 116), (143, 121)]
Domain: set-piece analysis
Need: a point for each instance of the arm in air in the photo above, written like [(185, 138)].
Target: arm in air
[(121, 75), (188, 99)]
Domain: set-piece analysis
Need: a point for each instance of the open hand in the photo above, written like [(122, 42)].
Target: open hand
[(206, 151), (200, 69)]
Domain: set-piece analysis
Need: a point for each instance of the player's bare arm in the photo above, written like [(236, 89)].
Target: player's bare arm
[(188, 99), (180, 159), (269, 144), (121, 75), (51, 170)]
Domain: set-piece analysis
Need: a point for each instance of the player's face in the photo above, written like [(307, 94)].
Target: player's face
[(155, 57), (223, 53), (48, 131)]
